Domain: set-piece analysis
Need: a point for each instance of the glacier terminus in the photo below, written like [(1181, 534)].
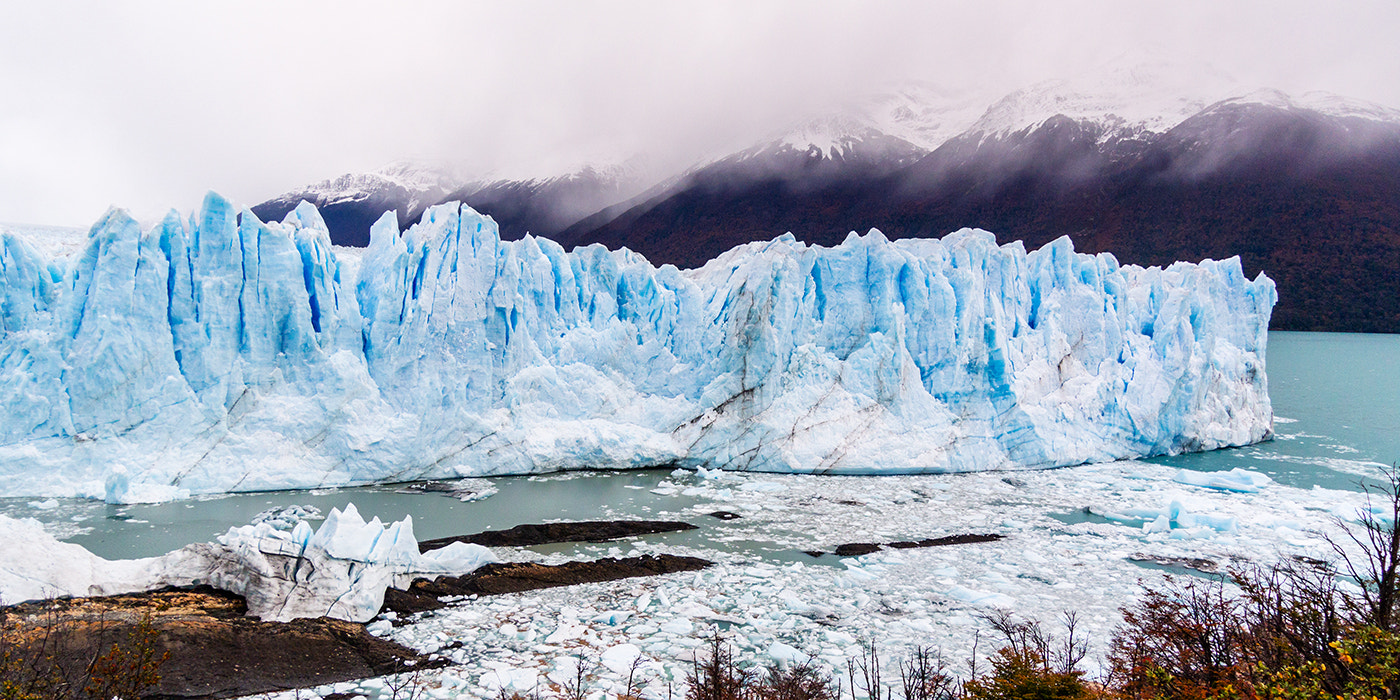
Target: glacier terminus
[(220, 353)]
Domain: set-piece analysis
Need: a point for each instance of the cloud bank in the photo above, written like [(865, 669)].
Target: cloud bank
[(149, 104)]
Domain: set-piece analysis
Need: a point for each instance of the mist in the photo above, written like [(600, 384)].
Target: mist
[(147, 105)]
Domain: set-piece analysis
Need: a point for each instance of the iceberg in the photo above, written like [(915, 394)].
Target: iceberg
[(1241, 480), (219, 353), (340, 570)]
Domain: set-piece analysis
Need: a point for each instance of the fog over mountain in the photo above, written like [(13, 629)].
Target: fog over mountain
[(1133, 162), (1153, 131), (148, 105)]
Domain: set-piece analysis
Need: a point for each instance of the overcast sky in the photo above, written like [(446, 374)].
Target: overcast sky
[(149, 104)]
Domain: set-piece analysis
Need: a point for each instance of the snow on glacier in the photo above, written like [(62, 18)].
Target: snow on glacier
[(220, 353)]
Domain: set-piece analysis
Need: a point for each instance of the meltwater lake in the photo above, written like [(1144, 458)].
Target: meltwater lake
[(1336, 400)]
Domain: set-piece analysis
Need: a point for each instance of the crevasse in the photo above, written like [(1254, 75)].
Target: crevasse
[(221, 353)]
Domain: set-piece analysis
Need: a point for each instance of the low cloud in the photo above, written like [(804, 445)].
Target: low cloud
[(149, 104)]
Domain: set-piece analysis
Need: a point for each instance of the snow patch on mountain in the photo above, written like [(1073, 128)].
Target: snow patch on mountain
[(417, 184), (1146, 98), (1325, 103)]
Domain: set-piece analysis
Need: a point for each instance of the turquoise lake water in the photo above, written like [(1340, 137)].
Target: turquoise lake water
[(1336, 400)]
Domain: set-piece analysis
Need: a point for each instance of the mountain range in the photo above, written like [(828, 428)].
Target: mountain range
[(1305, 188)]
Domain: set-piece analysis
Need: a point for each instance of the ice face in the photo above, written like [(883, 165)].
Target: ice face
[(340, 570), (221, 353)]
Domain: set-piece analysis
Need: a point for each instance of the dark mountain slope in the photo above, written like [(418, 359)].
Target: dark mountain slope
[(1312, 199), (350, 204), (542, 207)]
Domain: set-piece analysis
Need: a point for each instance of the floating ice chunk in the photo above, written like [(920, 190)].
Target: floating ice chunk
[(564, 670), (858, 575), (282, 575), (980, 598), (785, 654), (287, 517), (1161, 524), (618, 659), (565, 632), (456, 557), (1219, 523), (1241, 480), (612, 617), (1366, 512), (1180, 514), (680, 626), (522, 680), (120, 490)]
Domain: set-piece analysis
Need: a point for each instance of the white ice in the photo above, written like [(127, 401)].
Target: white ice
[(221, 353), (786, 606), (340, 570)]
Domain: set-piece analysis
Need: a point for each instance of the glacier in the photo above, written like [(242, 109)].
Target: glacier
[(219, 353), (340, 570)]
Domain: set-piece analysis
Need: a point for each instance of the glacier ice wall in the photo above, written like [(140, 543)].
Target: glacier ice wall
[(220, 353)]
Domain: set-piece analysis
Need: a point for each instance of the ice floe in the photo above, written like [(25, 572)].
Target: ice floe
[(340, 570), (773, 604)]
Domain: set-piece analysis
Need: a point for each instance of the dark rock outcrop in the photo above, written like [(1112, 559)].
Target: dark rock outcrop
[(855, 549), (551, 533), (215, 651), (515, 577)]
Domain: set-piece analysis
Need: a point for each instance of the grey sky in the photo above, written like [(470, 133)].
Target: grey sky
[(149, 104)]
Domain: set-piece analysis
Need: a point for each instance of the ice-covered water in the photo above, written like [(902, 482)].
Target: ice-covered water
[(824, 608)]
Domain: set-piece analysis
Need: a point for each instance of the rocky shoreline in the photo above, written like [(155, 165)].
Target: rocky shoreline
[(215, 651), (212, 649)]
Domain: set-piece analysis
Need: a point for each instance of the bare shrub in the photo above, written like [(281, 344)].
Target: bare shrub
[(924, 676), (716, 677), (55, 660), (799, 681)]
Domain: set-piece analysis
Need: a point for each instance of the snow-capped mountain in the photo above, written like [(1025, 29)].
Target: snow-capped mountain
[(543, 205), (923, 114), (1306, 188), (352, 202), (1150, 160), (1124, 98)]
